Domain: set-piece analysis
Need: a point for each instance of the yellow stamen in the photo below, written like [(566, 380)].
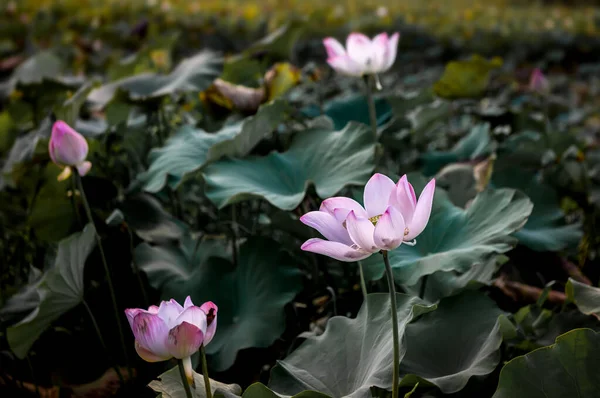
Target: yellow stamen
[(375, 219)]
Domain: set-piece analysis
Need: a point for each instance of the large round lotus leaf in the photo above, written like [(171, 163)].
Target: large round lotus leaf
[(190, 149), (258, 390), (546, 229), (568, 368), (251, 297), (192, 74), (352, 355), (60, 289), (468, 345), (585, 297), (145, 215), (352, 108), (330, 160), (455, 238), (466, 78), (170, 385)]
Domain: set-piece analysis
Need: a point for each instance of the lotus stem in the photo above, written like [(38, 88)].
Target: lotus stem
[(111, 288), (369, 81), (363, 284), (390, 278), (205, 372), (184, 380)]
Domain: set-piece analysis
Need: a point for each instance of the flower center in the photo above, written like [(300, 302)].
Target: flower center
[(406, 231), (375, 219)]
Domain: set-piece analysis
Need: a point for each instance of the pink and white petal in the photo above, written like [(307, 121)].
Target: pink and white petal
[(335, 250), (188, 302), (340, 202), (169, 311), (151, 333), (359, 48), (184, 340), (422, 212), (380, 49), (327, 225), (333, 47), (84, 167), (130, 313), (392, 50), (361, 231), (377, 194), (149, 356), (195, 316), (406, 200), (389, 231), (211, 310), (153, 309), (346, 66)]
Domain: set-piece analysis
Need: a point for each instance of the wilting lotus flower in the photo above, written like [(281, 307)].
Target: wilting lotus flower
[(68, 148), (538, 83), (391, 215), (171, 330), (362, 56)]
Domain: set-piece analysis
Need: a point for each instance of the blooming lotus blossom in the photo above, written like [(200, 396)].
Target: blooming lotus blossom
[(362, 56), (171, 330), (68, 148), (538, 83), (392, 215)]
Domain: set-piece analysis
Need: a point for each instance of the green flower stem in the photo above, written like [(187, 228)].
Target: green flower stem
[(205, 372), (370, 82), (390, 278), (363, 283), (102, 343), (184, 380), (111, 288), (234, 235)]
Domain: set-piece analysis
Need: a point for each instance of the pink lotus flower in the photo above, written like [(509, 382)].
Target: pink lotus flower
[(538, 83), (68, 148), (171, 330), (362, 56), (391, 215)]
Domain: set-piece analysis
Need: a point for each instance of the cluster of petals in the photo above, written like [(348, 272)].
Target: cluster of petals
[(362, 56), (392, 215), (171, 330), (68, 148)]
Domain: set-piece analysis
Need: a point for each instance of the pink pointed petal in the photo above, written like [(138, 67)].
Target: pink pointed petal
[(335, 250), (377, 194), (148, 356), (131, 313), (380, 50), (392, 50), (169, 311), (151, 333), (84, 168), (184, 340), (188, 302), (194, 316), (389, 231), (153, 309), (333, 47), (422, 212), (339, 202), (210, 309), (406, 200), (361, 231), (327, 225), (360, 50), (346, 66)]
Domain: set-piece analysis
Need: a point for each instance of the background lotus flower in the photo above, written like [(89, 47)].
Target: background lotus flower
[(171, 330), (68, 148), (391, 215), (538, 83), (362, 56)]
